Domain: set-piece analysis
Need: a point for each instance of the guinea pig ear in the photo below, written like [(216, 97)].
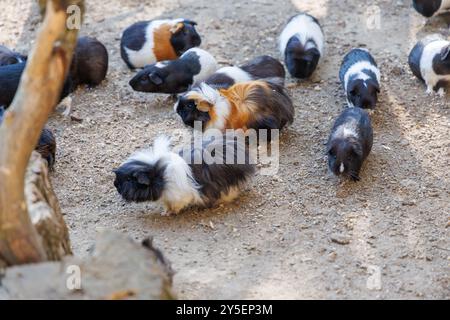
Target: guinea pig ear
[(155, 78), (142, 178), (204, 106), (177, 28), (445, 53)]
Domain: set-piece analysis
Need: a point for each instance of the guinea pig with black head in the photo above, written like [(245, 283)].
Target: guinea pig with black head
[(350, 143), (360, 77), (301, 45), (255, 105), (148, 42), (178, 181), (176, 76), (262, 67), (46, 145), (429, 8), (429, 61), (8, 57)]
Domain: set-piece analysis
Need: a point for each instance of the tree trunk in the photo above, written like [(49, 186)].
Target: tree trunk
[(38, 93)]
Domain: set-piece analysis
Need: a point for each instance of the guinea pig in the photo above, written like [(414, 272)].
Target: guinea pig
[(429, 8), (89, 63), (9, 82), (8, 57), (262, 67), (175, 76), (429, 61), (248, 105), (46, 145), (360, 77), (173, 179), (301, 45), (350, 143), (148, 42)]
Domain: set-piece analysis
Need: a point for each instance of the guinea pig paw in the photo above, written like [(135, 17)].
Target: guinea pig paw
[(441, 92), (429, 91)]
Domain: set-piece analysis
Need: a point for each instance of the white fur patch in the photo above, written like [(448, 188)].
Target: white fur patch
[(426, 63), (357, 69), (145, 55), (445, 6), (207, 63), (221, 105), (236, 73), (341, 168), (348, 129), (304, 28)]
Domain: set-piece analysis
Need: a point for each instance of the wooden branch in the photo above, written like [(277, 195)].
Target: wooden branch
[(38, 93)]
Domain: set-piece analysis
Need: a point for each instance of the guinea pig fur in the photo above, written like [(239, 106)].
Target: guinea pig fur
[(176, 76), (8, 57), (159, 174), (46, 145), (350, 143), (89, 63), (148, 42), (301, 45), (360, 77), (248, 105), (429, 8), (429, 61), (262, 67)]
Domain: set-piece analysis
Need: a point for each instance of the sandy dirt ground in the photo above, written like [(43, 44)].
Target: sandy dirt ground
[(301, 233)]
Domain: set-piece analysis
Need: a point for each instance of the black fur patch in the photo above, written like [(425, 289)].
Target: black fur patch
[(8, 57), (265, 67), (301, 63), (134, 38), (427, 7), (9, 82), (441, 65), (220, 81), (187, 110), (414, 59), (47, 147), (186, 39), (441, 84), (89, 63)]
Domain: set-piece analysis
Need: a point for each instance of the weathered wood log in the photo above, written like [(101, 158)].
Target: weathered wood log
[(44, 209), (118, 268)]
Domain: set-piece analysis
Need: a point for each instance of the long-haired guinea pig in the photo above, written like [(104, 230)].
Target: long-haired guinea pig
[(429, 61), (9, 82), (46, 145), (177, 181), (148, 42), (89, 63), (176, 76), (262, 67), (248, 105), (350, 143), (429, 8), (8, 57), (301, 45), (360, 77)]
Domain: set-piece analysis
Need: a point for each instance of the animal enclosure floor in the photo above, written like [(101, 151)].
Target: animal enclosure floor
[(301, 233)]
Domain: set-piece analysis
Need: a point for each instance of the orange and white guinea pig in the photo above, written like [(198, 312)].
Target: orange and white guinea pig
[(255, 105), (147, 42)]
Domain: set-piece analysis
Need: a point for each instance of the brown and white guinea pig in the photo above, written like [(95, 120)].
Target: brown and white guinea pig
[(46, 145), (429, 8), (177, 180), (176, 76), (360, 77), (350, 143), (262, 67), (301, 45), (8, 57), (429, 61), (248, 105), (148, 42)]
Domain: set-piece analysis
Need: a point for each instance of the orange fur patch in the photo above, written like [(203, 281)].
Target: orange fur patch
[(163, 49)]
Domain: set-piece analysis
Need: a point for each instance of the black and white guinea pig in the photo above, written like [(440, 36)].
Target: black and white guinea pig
[(89, 63), (148, 42), (176, 76), (301, 45), (46, 145), (429, 61), (9, 82), (429, 8), (350, 143), (177, 181), (360, 77), (262, 67), (257, 104), (8, 57)]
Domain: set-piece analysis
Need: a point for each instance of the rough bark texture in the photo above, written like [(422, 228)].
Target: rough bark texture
[(44, 210), (36, 97), (118, 268)]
